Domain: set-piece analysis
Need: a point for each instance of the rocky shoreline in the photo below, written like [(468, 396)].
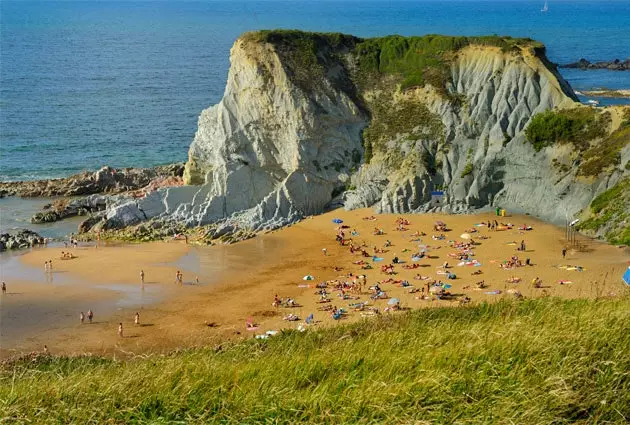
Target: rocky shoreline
[(613, 65), (20, 239), (106, 180)]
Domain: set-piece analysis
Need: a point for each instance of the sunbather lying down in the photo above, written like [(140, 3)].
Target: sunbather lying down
[(291, 317)]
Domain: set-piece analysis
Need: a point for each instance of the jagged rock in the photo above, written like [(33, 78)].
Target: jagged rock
[(105, 180), (20, 239)]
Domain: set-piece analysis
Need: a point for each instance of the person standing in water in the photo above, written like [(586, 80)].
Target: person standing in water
[(136, 318), (4, 288), (120, 330), (82, 317), (142, 277), (90, 315)]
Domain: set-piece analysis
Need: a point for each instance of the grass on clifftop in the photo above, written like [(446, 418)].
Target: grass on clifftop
[(414, 60), (421, 60), (545, 361)]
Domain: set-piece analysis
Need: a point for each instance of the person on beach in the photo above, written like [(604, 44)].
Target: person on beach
[(82, 317), (4, 288), (45, 349), (120, 330), (564, 252), (142, 277), (45, 266), (324, 251), (136, 319), (50, 266), (90, 315), (197, 280), (177, 277)]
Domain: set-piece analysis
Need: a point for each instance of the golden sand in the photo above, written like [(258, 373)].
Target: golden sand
[(246, 276)]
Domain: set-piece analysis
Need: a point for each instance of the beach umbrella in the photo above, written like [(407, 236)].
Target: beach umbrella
[(308, 277), (393, 301), (626, 276), (465, 236), (337, 220)]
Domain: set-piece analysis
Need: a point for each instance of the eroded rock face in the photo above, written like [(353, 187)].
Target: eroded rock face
[(483, 159), (273, 151), (267, 155)]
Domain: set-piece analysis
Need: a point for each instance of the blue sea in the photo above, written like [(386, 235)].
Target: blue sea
[(88, 83)]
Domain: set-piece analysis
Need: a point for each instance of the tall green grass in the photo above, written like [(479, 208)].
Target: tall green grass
[(545, 361)]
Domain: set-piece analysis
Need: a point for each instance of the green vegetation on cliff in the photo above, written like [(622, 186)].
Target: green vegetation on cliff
[(586, 130), (421, 60), (577, 126), (609, 211), (531, 362), (414, 61)]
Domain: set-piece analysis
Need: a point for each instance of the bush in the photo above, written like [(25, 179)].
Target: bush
[(577, 126)]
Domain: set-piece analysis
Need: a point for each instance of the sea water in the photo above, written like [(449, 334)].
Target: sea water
[(88, 83)]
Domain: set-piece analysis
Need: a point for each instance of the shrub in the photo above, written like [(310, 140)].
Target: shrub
[(577, 126)]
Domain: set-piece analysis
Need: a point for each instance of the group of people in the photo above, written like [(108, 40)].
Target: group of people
[(90, 316)]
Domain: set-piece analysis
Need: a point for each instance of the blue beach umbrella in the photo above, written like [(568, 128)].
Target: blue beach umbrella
[(337, 220), (626, 276)]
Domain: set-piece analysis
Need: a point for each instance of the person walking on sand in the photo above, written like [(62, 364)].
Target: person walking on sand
[(564, 252), (120, 330), (325, 251), (90, 315), (82, 317), (197, 280), (45, 349), (136, 318), (142, 277), (4, 288), (50, 266)]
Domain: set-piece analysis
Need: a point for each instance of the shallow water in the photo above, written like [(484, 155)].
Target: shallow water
[(33, 315), (16, 213)]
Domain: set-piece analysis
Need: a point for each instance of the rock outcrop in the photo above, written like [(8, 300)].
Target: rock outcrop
[(106, 180), (309, 121), (613, 65), (20, 239)]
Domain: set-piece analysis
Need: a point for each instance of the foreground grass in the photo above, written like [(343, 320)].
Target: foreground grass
[(534, 362)]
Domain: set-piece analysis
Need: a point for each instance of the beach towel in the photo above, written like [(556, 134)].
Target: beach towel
[(497, 292), (377, 259), (416, 258), (309, 319)]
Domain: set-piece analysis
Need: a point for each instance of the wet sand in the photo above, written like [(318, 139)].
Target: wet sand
[(238, 282)]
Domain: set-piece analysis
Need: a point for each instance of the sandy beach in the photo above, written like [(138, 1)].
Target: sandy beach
[(238, 283)]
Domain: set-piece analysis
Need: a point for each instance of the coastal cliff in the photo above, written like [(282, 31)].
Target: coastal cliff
[(310, 121)]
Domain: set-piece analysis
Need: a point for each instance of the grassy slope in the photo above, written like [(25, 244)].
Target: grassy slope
[(610, 209), (534, 362)]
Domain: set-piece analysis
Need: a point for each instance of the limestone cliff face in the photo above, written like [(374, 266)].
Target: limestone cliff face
[(266, 155), (318, 118), (483, 158)]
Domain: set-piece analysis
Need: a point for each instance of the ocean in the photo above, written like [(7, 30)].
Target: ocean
[(88, 83)]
